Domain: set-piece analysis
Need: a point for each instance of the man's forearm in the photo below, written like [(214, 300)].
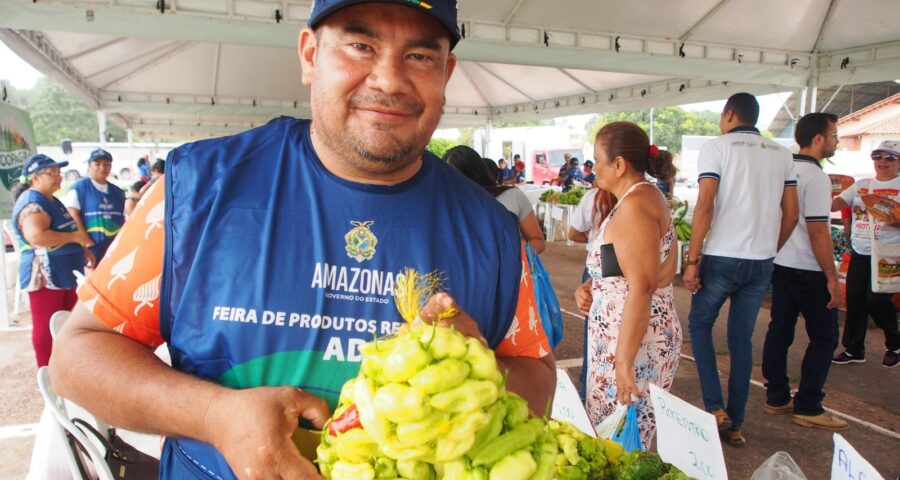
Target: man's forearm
[(823, 248), (699, 229), (531, 378), (125, 384), (788, 223)]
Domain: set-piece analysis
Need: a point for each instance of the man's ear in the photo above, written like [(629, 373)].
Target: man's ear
[(307, 45), (451, 65)]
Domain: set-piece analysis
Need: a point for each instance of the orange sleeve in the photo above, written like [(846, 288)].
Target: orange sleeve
[(526, 336), (123, 291)]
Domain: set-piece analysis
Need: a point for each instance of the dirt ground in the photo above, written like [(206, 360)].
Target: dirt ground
[(868, 392)]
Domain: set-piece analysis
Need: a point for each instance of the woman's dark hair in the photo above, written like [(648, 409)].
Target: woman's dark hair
[(138, 185), (18, 188), (493, 169), (142, 161), (469, 163), (629, 141), (159, 166)]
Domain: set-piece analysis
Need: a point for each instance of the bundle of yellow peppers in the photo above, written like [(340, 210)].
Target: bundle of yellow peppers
[(431, 404)]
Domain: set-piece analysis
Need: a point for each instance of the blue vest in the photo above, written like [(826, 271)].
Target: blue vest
[(62, 259), (276, 271), (102, 213)]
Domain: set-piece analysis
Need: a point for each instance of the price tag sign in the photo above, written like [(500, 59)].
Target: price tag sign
[(687, 437), (848, 464), (567, 404)]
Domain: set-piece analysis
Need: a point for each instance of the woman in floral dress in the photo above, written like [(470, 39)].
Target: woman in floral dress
[(634, 333)]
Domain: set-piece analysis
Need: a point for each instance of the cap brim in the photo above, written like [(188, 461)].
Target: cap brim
[(322, 15), (59, 164)]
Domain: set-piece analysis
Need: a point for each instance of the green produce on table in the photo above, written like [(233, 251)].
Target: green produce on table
[(642, 466)]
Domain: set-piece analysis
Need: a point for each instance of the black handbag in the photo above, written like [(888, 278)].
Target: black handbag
[(124, 460)]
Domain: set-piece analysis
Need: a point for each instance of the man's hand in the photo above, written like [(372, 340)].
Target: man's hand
[(691, 278), (584, 298), (252, 429), (89, 259), (443, 310), (834, 289)]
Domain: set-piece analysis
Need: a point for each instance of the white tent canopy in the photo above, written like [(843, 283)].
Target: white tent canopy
[(181, 68)]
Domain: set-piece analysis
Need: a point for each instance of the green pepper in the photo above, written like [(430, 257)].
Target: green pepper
[(405, 360), (356, 446), (461, 437), (516, 410), (385, 468), (466, 397), (415, 470), (447, 343), (401, 403), (497, 412), (398, 451), (570, 472), (518, 466), (346, 397), (477, 473), (425, 430), (483, 362), (352, 471), (518, 438), (441, 376), (455, 470), (569, 447), (546, 458), (376, 425)]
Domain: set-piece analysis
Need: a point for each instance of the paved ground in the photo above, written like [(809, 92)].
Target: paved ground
[(868, 392)]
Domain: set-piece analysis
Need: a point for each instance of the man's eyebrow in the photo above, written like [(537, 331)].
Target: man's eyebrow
[(427, 43), (358, 28)]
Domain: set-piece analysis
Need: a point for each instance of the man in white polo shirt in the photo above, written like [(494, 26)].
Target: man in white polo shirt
[(748, 207), (805, 281)]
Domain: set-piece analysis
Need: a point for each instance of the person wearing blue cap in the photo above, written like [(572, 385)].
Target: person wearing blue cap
[(281, 247), (50, 246), (98, 206)]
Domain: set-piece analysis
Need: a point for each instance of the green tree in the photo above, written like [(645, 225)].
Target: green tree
[(669, 124), (57, 114), (439, 146)]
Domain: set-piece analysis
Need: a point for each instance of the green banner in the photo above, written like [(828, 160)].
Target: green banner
[(17, 143)]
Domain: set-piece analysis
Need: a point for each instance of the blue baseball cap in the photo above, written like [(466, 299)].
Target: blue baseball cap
[(39, 162), (588, 163), (443, 10), (99, 154)]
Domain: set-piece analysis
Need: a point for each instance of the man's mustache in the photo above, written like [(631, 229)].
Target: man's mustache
[(397, 104)]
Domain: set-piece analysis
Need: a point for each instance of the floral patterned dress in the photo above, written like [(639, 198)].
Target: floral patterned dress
[(658, 356)]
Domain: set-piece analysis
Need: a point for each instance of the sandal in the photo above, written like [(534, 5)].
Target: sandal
[(734, 438)]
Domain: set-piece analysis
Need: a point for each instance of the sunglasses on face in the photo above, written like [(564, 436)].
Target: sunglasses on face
[(884, 156)]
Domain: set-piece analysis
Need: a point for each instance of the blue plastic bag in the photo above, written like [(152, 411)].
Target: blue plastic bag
[(629, 435), (547, 303)]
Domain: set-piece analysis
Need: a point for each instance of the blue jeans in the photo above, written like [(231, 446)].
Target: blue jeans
[(796, 291), (745, 282)]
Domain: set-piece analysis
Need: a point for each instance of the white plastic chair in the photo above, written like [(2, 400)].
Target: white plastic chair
[(73, 455), (57, 320)]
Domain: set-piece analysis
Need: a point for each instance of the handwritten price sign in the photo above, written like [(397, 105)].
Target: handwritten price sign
[(687, 437), (848, 464), (567, 404)]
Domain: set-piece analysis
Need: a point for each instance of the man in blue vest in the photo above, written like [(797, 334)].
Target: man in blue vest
[(97, 205), (274, 274)]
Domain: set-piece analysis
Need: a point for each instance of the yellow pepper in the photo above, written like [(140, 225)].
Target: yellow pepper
[(405, 360), (482, 361), (516, 410), (400, 403), (440, 376), (376, 425), (425, 430), (352, 471), (444, 342), (518, 466), (415, 470), (355, 446), (467, 396)]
